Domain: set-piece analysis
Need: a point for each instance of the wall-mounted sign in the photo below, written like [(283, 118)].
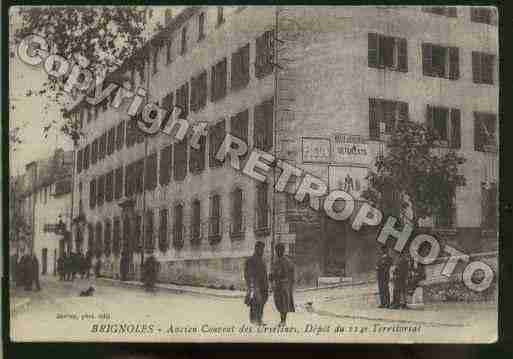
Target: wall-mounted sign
[(315, 149), (350, 149)]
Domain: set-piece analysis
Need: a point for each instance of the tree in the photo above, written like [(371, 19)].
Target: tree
[(106, 36), (414, 178)]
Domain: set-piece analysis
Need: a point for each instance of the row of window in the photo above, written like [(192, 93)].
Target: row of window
[(483, 15), (210, 229), (446, 123), (437, 61)]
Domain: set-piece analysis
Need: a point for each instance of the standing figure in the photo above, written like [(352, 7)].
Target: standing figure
[(383, 277), (255, 275), (400, 279), (67, 266), (123, 266), (26, 271), (60, 267), (150, 273), (82, 264), (282, 276), (88, 263), (416, 274), (35, 271)]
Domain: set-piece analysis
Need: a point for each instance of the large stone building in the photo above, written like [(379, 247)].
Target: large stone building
[(302, 83)]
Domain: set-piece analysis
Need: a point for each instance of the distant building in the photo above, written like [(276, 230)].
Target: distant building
[(303, 83)]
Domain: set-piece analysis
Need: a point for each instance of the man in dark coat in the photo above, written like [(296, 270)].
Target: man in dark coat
[(255, 275), (282, 276), (60, 267), (150, 273), (35, 271), (123, 266), (26, 271), (400, 279), (88, 263), (383, 277)]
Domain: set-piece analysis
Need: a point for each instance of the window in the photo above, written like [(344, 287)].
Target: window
[(446, 123), (109, 186), (237, 201), (263, 125), (183, 48), (155, 59), (151, 172), (387, 52), (182, 99), (197, 156), (220, 15), (240, 68), (102, 144), (483, 66), (216, 137), (169, 47), (106, 238), (180, 160), (129, 180), (489, 205), (165, 165), (167, 101), (149, 241), (201, 26), (111, 139), (239, 125), (178, 227), (90, 238), (86, 157), (163, 242), (118, 183), (120, 135), (116, 238), (440, 61), (196, 221), (138, 174), (126, 240), (215, 218), (483, 15), (448, 11), (199, 92), (262, 211), (218, 83), (383, 116), (485, 139), (98, 245), (264, 54), (100, 191), (94, 152), (79, 161), (92, 193)]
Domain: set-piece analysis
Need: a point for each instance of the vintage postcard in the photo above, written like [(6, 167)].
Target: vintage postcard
[(253, 174)]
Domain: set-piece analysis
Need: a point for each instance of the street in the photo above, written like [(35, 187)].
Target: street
[(58, 313)]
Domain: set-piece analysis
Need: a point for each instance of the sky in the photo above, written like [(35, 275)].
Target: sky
[(28, 111)]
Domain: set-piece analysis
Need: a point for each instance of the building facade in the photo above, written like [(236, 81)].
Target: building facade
[(302, 83)]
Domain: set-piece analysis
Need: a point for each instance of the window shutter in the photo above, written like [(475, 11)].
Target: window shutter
[(427, 59), (92, 193), (165, 165), (373, 55), (454, 63), (402, 50), (476, 67), (373, 119), (455, 128), (478, 135)]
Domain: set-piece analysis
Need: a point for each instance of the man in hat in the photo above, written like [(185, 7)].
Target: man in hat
[(383, 277), (255, 275), (282, 277)]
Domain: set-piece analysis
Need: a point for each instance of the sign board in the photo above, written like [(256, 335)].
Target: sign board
[(315, 149), (350, 149)]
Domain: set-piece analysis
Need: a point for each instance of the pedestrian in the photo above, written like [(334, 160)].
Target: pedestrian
[(383, 277), (35, 272), (26, 271), (255, 275), (416, 274), (82, 265), (282, 276), (98, 268), (150, 273), (400, 279), (88, 263), (60, 267), (75, 265), (123, 266)]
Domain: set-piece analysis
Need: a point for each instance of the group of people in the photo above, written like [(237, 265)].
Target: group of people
[(257, 283), (26, 272), (72, 264), (401, 278)]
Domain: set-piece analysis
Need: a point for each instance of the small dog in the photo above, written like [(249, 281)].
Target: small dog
[(87, 293)]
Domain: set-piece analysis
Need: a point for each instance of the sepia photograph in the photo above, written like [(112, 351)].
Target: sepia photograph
[(253, 174)]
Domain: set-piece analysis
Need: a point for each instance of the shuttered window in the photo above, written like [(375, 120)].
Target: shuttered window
[(178, 226), (116, 236), (139, 173), (107, 238), (201, 26), (79, 161), (90, 239), (440, 61), (262, 210), (218, 81), (163, 240), (87, 150), (449, 11), (216, 137), (264, 54), (100, 191), (151, 172), (197, 160), (137, 237), (183, 43), (383, 116), (102, 146), (215, 217), (165, 165), (263, 125), (120, 135), (118, 193), (182, 99), (180, 160), (196, 221), (387, 52), (129, 175), (167, 101), (149, 240), (237, 201), (485, 138), (109, 186), (483, 67), (111, 139), (239, 125), (446, 124), (240, 68), (92, 193), (98, 240), (94, 151), (199, 92)]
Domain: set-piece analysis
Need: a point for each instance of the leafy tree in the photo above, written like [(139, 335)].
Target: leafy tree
[(414, 177), (106, 36)]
